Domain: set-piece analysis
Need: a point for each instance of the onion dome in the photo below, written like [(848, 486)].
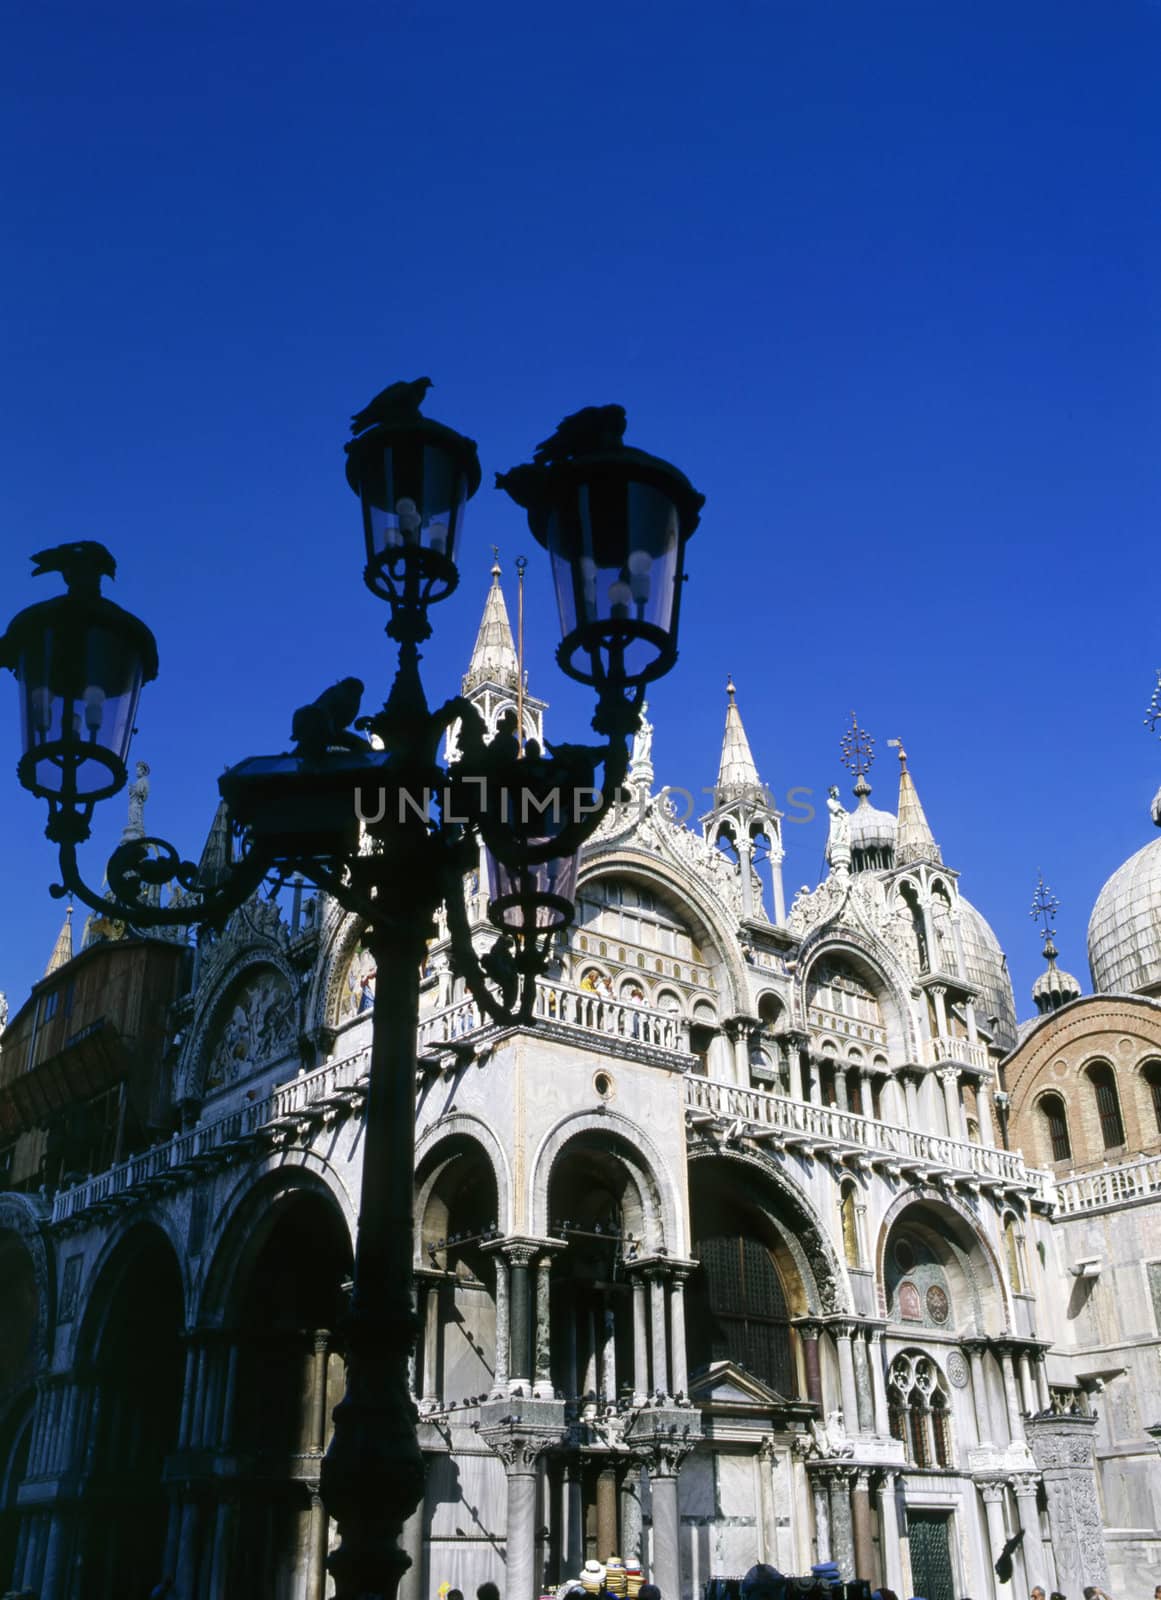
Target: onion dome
[(1054, 987), (872, 833), (1124, 931)]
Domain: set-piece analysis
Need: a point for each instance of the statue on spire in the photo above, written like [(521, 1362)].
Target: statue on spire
[(138, 795)]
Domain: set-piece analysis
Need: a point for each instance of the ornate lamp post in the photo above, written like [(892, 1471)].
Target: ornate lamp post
[(615, 522)]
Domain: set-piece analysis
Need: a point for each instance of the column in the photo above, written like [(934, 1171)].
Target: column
[(1027, 1387), (666, 1572), (739, 1035), (640, 1347), (630, 1515), (500, 1374), (223, 1537), (984, 1106), (949, 1078), (842, 1333), (993, 1493), (842, 1100), (863, 1397), (879, 1386), (229, 1393), (430, 1399), (794, 1062), (842, 1534), (520, 1315), (542, 1373), (316, 1572), (660, 1365), (1028, 1518), (865, 1563), (911, 1093), (890, 1534), (677, 1371), (808, 1332), (318, 1397), (574, 1542), (776, 859), (520, 1456), (1012, 1399), (821, 1516), (986, 1431), (744, 849), (1043, 1394), (939, 994), (606, 1513), (607, 1387)]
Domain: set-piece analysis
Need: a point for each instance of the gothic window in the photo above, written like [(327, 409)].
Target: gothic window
[(917, 1403), (1104, 1083), (850, 1225), (1153, 1079), (1012, 1252), (1055, 1120), (748, 1319)]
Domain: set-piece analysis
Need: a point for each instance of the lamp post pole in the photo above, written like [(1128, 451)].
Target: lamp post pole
[(615, 522)]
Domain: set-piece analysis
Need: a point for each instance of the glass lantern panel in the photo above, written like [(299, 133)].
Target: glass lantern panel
[(557, 877), (78, 696), (615, 549), (413, 494)]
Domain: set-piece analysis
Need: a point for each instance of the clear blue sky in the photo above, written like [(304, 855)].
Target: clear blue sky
[(884, 280)]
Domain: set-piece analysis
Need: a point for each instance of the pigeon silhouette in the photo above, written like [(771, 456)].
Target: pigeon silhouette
[(82, 565), (398, 402)]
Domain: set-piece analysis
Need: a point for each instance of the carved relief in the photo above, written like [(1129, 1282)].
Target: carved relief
[(259, 1026)]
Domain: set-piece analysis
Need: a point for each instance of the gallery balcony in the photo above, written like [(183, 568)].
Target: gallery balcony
[(1136, 1180)]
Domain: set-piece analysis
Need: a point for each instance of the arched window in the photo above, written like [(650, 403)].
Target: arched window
[(1055, 1123), (748, 1321), (1012, 1252), (918, 1407), (1152, 1076), (1104, 1082), (850, 1224)]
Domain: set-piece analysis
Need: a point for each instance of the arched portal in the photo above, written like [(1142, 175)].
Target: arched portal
[(19, 1326), (287, 1304), (134, 1343), (457, 1208)]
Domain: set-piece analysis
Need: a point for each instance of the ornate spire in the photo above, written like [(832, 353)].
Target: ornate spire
[(62, 950), (736, 770), (494, 658), (858, 757), (914, 840), (216, 853), (1054, 987)]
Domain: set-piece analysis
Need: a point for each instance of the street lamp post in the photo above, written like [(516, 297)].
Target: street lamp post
[(615, 522)]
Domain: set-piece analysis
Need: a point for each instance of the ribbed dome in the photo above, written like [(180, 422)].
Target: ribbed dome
[(1054, 988), (872, 828), (988, 969), (1124, 931)]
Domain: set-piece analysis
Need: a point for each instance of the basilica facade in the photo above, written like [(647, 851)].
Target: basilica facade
[(762, 1243)]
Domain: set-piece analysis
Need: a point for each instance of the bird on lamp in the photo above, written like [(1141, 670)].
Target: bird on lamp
[(81, 564), (326, 721), (398, 402), (586, 433)]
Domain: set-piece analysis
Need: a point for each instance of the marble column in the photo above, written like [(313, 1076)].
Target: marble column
[(430, 1398), (520, 1315), (606, 1513), (640, 1343), (842, 1100), (574, 1540), (745, 851), (630, 1515), (993, 1493), (865, 1563), (986, 1430), (1027, 1387), (911, 1093), (657, 1308), (229, 1393), (607, 1386), (890, 1533), (879, 1384), (500, 1371), (842, 1534), (542, 1363), (520, 1458), (410, 1585), (187, 1548), (794, 1062), (808, 1333), (318, 1396), (1043, 1394), (1036, 1570), (776, 858), (863, 1397), (821, 1516), (953, 1105), (984, 1107), (842, 1333), (1012, 1399), (678, 1377), (225, 1517), (666, 1572)]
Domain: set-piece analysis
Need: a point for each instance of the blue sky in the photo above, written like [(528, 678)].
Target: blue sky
[(883, 280)]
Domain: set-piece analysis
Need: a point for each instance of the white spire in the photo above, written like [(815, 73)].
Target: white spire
[(914, 840), (62, 950), (736, 769), (494, 659)]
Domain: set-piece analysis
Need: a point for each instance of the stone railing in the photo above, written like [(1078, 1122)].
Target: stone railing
[(1111, 1186), (572, 1008), (941, 1050), (796, 1124), (332, 1089), (847, 1027)]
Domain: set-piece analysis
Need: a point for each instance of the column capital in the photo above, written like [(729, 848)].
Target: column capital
[(522, 1250), (808, 1327), (949, 1075), (992, 1489), (1025, 1484), (519, 1450)]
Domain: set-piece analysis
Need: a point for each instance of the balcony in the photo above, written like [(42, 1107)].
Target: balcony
[(1111, 1186), (814, 1130), (619, 1025), (943, 1051), (296, 1107)]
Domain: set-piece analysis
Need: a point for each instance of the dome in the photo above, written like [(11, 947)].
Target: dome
[(872, 836), (1124, 931), (987, 968), (1054, 988)]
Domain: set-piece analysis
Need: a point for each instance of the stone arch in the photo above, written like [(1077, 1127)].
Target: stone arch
[(808, 1242), (1048, 1102), (951, 1232), (847, 945), (636, 1151), (248, 1216), (251, 959), (113, 1260), (455, 1130)]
